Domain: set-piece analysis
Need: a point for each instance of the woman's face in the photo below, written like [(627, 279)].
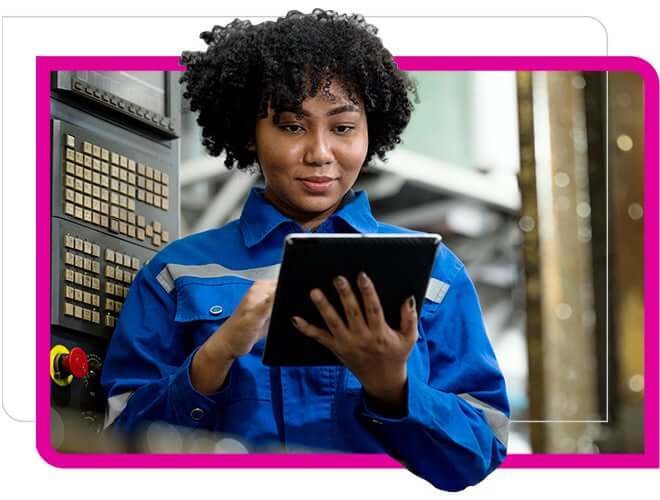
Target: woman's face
[(309, 162)]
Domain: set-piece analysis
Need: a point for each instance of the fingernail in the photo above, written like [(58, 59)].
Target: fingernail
[(362, 278), (339, 281), (294, 321), (411, 302)]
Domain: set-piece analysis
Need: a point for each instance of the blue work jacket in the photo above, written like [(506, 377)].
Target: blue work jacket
[(455, 429)]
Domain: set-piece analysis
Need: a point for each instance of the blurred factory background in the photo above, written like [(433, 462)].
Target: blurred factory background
[(535, 180)]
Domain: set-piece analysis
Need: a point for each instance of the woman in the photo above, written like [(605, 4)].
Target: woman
[(310, 99)]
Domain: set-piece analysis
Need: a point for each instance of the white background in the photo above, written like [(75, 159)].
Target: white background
[(623, 28)]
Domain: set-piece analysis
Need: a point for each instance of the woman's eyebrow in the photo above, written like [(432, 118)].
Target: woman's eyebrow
[(345, 108)]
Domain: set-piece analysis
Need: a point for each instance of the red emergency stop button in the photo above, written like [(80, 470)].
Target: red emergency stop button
[(75, 363)]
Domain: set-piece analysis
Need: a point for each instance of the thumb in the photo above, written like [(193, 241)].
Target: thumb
[(408, 326)]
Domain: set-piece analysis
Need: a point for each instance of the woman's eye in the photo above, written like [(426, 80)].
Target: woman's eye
[(343, 129), (292, 129)]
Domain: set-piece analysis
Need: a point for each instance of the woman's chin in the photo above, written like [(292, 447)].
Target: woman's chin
[(317, 204)]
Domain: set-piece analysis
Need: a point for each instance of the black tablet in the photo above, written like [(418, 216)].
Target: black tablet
[(398, 264)]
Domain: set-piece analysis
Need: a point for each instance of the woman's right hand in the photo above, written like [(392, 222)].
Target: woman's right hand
[(234, 338), (250, 320)]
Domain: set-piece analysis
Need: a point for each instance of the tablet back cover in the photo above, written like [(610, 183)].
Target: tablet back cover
[(399, 266)]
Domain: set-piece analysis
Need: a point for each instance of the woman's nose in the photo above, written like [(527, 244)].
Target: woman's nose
[(318, 151)]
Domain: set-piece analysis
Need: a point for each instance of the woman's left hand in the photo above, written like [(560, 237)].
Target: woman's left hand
[(374, 352)]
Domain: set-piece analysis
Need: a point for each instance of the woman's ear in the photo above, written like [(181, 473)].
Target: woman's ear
[(251, 146)]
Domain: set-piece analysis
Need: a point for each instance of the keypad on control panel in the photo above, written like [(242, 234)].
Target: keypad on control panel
[(102, 187), (97, 280)]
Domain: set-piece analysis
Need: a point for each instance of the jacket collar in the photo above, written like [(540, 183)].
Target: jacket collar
[(260, 218)]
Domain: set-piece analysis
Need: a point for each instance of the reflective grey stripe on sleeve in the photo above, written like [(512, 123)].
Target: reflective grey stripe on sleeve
[(116, 405), (436, 290), (171, 272), (497, 421)]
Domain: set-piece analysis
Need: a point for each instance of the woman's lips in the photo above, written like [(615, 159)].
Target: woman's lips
[(317, 185)]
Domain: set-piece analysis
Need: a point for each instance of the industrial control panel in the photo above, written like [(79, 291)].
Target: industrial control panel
[(115, 204)]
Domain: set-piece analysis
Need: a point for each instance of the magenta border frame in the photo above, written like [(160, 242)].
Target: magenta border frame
[(648, 459)]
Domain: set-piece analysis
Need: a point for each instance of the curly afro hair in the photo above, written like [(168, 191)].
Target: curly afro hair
[(248, 67)]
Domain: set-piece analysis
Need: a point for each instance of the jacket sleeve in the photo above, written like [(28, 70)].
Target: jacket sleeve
[(456, 427), (146, 372)]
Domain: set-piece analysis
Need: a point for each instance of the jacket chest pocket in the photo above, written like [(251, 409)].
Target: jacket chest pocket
[(202, 308)]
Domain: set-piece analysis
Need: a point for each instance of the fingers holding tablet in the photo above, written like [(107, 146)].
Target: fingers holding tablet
[(374, 352), (322, 336), (351, 305), (408, 328), (372, 305), (356, 306), (332, 320)]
